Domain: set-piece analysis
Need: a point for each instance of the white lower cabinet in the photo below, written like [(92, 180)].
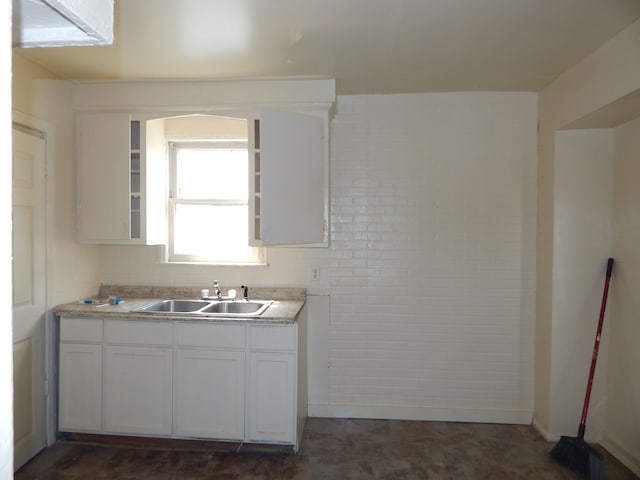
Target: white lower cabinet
[(137, 390), (210, 380), (80, 377), (80, 388), (138, 377), (229, 381), (209, 394), (272, 399)]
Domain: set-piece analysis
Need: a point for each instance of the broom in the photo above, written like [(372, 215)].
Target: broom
[(574, 452)]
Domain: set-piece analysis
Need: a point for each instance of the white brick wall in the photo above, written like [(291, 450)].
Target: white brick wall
[(433, 256)]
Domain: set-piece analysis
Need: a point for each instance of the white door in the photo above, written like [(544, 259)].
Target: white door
[(29, 298)]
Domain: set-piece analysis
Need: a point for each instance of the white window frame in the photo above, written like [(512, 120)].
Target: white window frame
[(259, 257)]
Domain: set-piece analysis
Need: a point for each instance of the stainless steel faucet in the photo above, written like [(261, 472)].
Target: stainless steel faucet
[(216, 289)]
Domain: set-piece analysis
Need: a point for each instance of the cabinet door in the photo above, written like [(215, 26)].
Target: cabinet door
[(272, 397), (209, 394), (104, 177), (290, 175), (80, 387), (154, 166), (138, 390)]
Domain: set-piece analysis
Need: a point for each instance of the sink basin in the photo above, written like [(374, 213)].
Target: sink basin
[(242, 307), (175, 306)]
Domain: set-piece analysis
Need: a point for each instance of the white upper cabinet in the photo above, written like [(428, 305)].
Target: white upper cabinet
[(103, 177), (122, 184), (154, 183), (290, 178)]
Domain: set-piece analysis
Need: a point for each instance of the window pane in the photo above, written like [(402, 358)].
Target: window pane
[(212, 173), (215, 233)]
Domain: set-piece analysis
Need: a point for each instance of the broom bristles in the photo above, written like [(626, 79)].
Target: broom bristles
[(577, 455)]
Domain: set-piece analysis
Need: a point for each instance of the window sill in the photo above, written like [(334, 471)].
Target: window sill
[(216, 264)]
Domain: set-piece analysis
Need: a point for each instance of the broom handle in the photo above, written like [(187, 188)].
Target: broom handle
[(596, 347)]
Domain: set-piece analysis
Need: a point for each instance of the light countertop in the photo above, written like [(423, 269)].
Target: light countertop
[(283, 311)]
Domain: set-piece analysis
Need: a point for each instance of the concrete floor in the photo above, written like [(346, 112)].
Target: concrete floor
[(333, 449)]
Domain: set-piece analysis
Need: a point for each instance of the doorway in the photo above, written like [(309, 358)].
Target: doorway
[(29, 292)]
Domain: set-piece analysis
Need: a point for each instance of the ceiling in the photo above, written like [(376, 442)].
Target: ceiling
[(369, 46)]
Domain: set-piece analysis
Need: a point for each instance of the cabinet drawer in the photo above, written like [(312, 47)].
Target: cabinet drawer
[(270, 337), (212, 335), (81, 330), (138, 333)]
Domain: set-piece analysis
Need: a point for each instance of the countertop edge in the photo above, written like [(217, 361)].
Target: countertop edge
[(279, 312)]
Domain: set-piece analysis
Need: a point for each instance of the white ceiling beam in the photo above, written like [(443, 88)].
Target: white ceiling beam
[(56, 23)]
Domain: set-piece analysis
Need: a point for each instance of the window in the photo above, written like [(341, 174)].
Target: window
[(208, 204)]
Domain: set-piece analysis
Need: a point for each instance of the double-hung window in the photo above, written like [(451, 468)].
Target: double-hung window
[(208, 204)]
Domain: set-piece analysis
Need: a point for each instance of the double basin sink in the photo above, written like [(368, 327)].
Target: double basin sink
[(219, 308)]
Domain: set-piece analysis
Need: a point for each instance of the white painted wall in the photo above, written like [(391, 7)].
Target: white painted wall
[(597, 83), (582, 243), (74, 269), (622, 422)]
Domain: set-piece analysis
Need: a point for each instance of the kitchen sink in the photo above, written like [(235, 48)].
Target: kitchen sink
[(175, 306), (240, 308)]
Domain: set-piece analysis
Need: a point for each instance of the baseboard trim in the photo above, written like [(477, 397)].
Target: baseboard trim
[(393, 412), (623, 455), (541, 429)]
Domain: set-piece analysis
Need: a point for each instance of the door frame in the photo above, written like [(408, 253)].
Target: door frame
[(47, 130)]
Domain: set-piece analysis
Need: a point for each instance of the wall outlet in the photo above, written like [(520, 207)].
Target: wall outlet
[(315, 273)]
